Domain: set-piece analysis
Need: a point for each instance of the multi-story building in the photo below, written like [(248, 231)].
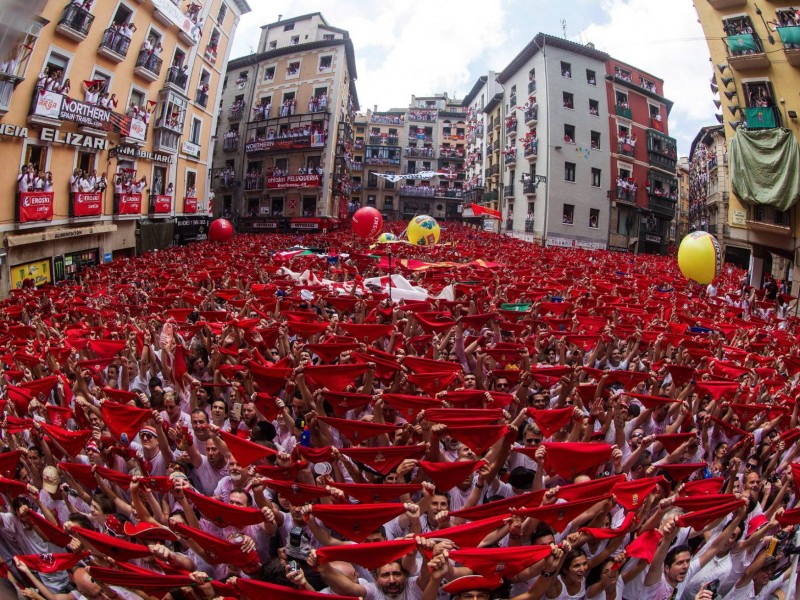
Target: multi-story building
[(384, 140), (755, 50), (435, 140), (123, 89), (643, 160), (287, 110), (682, 214), (476, 101), (555, 123)]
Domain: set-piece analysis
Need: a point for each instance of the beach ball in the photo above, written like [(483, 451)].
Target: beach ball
[(699, 257), (387, 237), (423, 231), (367, 222), (220, 230)]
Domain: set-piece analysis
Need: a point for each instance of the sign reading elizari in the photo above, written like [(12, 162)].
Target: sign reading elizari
[(63, 108)]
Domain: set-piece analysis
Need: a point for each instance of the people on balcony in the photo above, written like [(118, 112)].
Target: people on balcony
[(289, 107), (386, 119), (52, 82), (227, 176), (237, 105), (593, 110), (16, 56), (317, 103), (153, 49)]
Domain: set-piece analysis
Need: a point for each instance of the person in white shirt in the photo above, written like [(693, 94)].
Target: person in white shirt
[(75, 180)]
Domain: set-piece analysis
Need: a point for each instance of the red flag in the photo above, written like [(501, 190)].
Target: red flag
[(384, 459), (631, 494), (409, 405), (644, 546), (124, 420), (219, 550), (377, 492), (297, 493), (224, 515), (680, 471), (447, 475), (72, 441), (468, 534), (369, 556), (700, 518), (358, 431), (701, 487), (106, 348), (601, 533), (52, 533), (334, 377), (503, 562), (51, 563), (550, 421), (560, 514), (244, 451), (570, 459), (116, 548)]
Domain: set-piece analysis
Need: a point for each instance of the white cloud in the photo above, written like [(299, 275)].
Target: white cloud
[(669, 45)]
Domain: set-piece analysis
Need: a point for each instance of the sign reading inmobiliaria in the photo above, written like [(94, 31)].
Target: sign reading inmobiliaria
[(63, 108), (293, 181), (35, 206), (162, 204), (87, 205), (128, 204)]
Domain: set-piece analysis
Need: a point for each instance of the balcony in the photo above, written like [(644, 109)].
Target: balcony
[(531, 149), (626, 194), (415, 152), (148, 66), (662, 206), (201, 98), (383, 160), (529, 188), (532, 115), (451, 153), (177, 78), (75, 23), (253, 182), (790, 36), (532, 87), (767, 117), (236, 111), (624, 111), (449, 192), (286, 143), (769, 220), (165, 140), (720, 4), (114, 46), (662, 150), (745, 52), (479, 130), (625, 147), (494, 170), (375, 140), (230, 144), (511, 126), (510, 158), (490, 196), (423, 191), (508, 191)]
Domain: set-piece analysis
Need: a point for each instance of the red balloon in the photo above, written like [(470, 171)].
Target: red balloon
[(220, 230), (367, 222)]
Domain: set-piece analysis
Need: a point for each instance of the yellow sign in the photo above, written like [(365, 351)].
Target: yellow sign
[(38, 270)]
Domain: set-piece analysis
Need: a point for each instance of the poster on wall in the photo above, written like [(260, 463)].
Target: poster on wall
[(38, 271)]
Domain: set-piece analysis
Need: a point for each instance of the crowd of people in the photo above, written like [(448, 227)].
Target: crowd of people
[(483, 418), (31, 179), (125, 182)]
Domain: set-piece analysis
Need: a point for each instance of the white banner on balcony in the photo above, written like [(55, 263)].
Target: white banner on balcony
[(176, 15), (422, 175)]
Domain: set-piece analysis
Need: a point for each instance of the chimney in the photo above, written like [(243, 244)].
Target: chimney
[(375, 108), (279, 18)]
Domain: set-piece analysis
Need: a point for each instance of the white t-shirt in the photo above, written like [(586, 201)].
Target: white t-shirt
[(412, 591), (664, 591)]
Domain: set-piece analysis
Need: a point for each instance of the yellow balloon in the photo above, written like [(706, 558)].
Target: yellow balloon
[(387, 237), (423, 231), (699, 257)]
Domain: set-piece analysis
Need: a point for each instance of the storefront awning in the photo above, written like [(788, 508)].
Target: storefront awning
[(22, 239)]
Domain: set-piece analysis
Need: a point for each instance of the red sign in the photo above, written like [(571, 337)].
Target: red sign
[(35, 206), (344, 210), (87, 205), (293, 181), (128, 204), (162, 204), (190, 206)]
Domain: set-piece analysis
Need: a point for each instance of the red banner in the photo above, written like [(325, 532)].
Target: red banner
[(87, 205), (293, 181), (344, 210), (128, 204), (190, 206), (479, 210), (35, 206), (162, 204)]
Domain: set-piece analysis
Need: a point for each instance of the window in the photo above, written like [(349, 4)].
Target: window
[(595, 140), (99, 75), (388, 203), (594, 218), (594, 108), (86, 161), (137, 98), (569, 134), (293, 70), (566, 70), (591, 77), (372, 180), (309, 206), (223, 11), (596, 174), (57, 64), (623, 74), (513, 96), (325, 63), (568, 217), (191, 183), (569, 172), (123, 15), (197, 127), (295, 40), (622, 99), (625, 222), (568, 100), (655, 113), (272, 45), (159, 182), (388, 185), (371, 200), (269, 73), (288, 27), (328, 37)]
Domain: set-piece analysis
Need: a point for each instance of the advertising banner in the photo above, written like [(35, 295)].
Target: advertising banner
[(293, 181), (162, 204), (35, 206), (190, 205), (127, 204), (87, 205)]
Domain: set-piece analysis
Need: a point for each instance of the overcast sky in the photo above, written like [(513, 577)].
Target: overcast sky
[(425, 47)]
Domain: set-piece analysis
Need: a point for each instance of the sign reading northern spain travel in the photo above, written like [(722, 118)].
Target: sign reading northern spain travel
[(87, 205), (35, 206), (293, 181), (63, 108)]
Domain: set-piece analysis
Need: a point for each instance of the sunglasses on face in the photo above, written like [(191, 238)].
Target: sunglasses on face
[(146, 436), (533, 440)]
